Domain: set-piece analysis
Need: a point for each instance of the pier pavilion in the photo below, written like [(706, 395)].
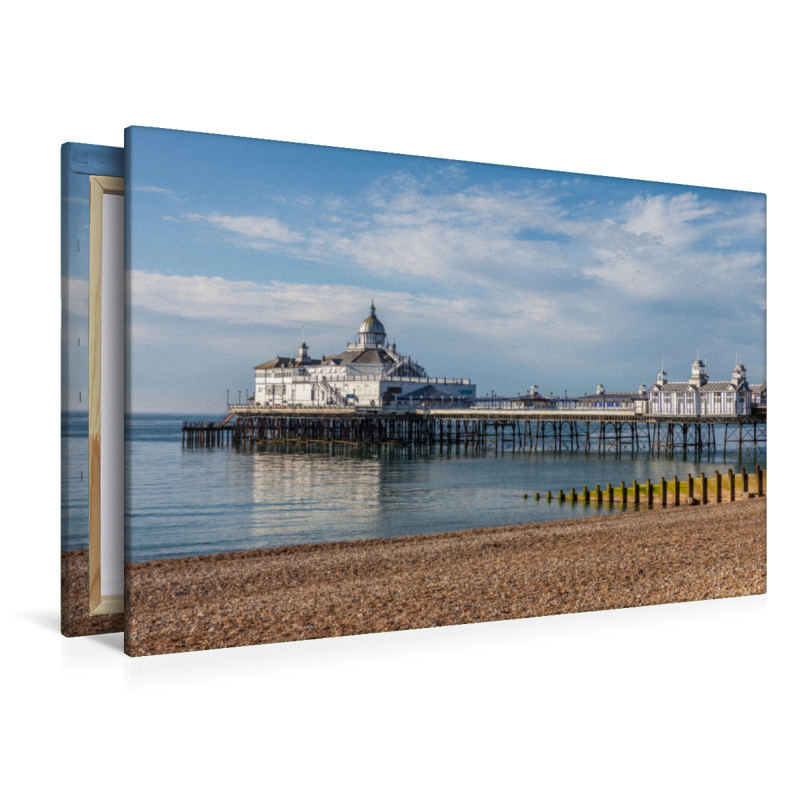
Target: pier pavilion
[(370, 372), (699, 397)]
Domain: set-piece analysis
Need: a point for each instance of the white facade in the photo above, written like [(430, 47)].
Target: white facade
[(700, 397), (369, 373)]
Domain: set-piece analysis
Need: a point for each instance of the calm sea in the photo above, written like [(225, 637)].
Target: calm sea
[(194, 501)]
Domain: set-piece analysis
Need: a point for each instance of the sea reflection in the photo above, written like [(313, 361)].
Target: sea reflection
[(185, 501)]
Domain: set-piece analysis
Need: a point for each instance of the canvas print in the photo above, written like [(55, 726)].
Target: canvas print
[(83, 165), (370, 392)]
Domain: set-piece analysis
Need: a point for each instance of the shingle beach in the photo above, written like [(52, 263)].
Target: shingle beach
[(75, 617), (622, 560)]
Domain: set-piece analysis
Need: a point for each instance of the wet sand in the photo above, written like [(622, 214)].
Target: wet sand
[(312, 591)]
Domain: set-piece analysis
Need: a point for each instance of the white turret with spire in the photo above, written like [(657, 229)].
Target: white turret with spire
[(699, 377)]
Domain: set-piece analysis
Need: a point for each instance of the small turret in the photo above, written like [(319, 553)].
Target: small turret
[(699, 376), (739, 374), (601, 389), (662, 378)]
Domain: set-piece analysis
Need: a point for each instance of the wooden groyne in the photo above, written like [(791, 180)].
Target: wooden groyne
[(692, 491), (537, 430)]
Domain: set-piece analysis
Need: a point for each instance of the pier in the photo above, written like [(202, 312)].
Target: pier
[(602, 430)]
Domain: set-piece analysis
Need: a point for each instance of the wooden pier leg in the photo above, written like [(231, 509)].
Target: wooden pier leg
[(732, 485), (549, 496), (560, 495), (572, 496), (704, 488), (663, 491), (677, 499), (624, 494)]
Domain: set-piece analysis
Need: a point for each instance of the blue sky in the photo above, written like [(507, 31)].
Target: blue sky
[(504, 275)]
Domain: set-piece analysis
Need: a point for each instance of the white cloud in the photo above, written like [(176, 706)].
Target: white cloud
[(668, 219), (523, 267), (526, 323), (159, 190), (251, 227)]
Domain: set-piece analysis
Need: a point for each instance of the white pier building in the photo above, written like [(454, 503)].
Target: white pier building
[(370, 372), (700, 397)]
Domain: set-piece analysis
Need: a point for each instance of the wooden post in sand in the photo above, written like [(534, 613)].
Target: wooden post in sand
[(677, 499), (624, 494), (744, 480), (690, 486), (663, 491), (572, 497), (636, 493), (560, 495), (610, 490), (549, 496), (718, 489), (759, 481), (599, 494), (704, 488), (732, 486), (649, 492)]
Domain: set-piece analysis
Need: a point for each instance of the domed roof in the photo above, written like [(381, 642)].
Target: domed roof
[(372, 324)]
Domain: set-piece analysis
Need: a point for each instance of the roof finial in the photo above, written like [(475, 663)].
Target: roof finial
[(372, 306)]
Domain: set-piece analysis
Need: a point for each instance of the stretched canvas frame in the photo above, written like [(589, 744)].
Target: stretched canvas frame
[(105, 458), (80, 163)]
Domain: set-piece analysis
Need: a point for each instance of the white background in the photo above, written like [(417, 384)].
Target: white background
[(696, 700)]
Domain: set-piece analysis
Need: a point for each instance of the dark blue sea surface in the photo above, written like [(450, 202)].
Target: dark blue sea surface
[(185, 501)]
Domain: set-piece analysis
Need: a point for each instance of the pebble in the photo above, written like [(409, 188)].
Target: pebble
[(312, 591)]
